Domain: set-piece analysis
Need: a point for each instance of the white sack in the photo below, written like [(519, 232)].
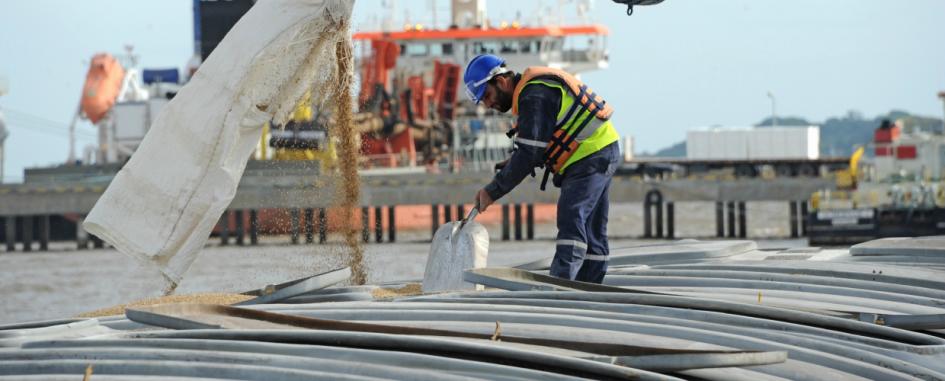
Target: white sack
[(446, 262), (162, 206)]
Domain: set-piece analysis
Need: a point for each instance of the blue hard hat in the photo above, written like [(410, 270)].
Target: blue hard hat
[(479, 71)]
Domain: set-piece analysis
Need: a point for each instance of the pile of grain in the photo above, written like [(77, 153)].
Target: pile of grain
[(204, 298), (407, 290)]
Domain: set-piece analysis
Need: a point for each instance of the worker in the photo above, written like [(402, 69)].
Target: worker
[(565, 128)]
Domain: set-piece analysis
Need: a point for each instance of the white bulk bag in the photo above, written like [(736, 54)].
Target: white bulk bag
[(163, 204), (452, 253)]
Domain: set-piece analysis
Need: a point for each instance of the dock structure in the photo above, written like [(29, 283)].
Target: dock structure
[(26, 209)]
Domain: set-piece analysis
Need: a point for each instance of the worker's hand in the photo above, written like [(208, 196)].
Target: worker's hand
[(483, 199)]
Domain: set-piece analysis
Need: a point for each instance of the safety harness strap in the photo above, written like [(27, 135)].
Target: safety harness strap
[(574, 105), (558, 147), (569, 138)]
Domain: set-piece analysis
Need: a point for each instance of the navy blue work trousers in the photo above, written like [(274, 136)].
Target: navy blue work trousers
[(581, 250)]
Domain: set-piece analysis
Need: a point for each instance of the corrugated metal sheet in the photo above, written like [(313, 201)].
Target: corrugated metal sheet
[(681, 310)]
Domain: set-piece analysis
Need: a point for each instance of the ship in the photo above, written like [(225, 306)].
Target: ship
[(899, 192), (412, 115)]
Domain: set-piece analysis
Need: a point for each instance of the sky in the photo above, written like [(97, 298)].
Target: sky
[(674, 66)]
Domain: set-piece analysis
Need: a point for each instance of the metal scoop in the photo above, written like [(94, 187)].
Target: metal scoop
[(457, 227)]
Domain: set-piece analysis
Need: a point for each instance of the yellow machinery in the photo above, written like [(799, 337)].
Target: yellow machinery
[(846, 179), (304, 137)]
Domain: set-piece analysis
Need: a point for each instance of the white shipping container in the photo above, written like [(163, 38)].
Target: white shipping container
[(753, 143)]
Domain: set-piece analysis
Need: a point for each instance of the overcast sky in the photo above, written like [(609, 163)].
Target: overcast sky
[(674, 66)]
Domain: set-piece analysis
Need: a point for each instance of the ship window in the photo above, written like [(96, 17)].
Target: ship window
[(578, 43), (485, 47), (417, 50), (448, 49), (528, 46)]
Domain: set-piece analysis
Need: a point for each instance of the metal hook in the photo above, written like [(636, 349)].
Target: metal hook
[(629, 5)]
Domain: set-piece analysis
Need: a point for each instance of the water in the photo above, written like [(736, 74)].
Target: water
[(64, 282)]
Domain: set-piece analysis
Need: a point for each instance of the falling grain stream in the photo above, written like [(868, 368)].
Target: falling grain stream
[(343, 130)]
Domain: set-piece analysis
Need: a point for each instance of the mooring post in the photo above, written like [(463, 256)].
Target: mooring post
[(434, 219), (27, 231), (225, 228), (742, 216), (97, 242), (294, 216), (792, 205), (391, 225), (653, 198), (505, 222), (518, 222), (238, 226), (309, 225), (322, 225), (253, 227), (530, 222), (44, 232), (10, 231), (803, 218), (365, 224), (378, 224), (670, 220), (659, 219), (719, 220)]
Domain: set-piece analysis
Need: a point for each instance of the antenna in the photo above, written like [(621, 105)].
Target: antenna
[(132, 57), (941, 95), (583, 8), (390, 8)]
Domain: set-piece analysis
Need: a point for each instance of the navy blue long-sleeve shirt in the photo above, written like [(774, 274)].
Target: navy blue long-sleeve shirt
[(538, 107)]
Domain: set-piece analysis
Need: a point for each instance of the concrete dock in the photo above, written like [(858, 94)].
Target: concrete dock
[(48, 205)]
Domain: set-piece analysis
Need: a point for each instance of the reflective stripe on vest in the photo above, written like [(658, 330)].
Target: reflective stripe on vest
[(530, 142)]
